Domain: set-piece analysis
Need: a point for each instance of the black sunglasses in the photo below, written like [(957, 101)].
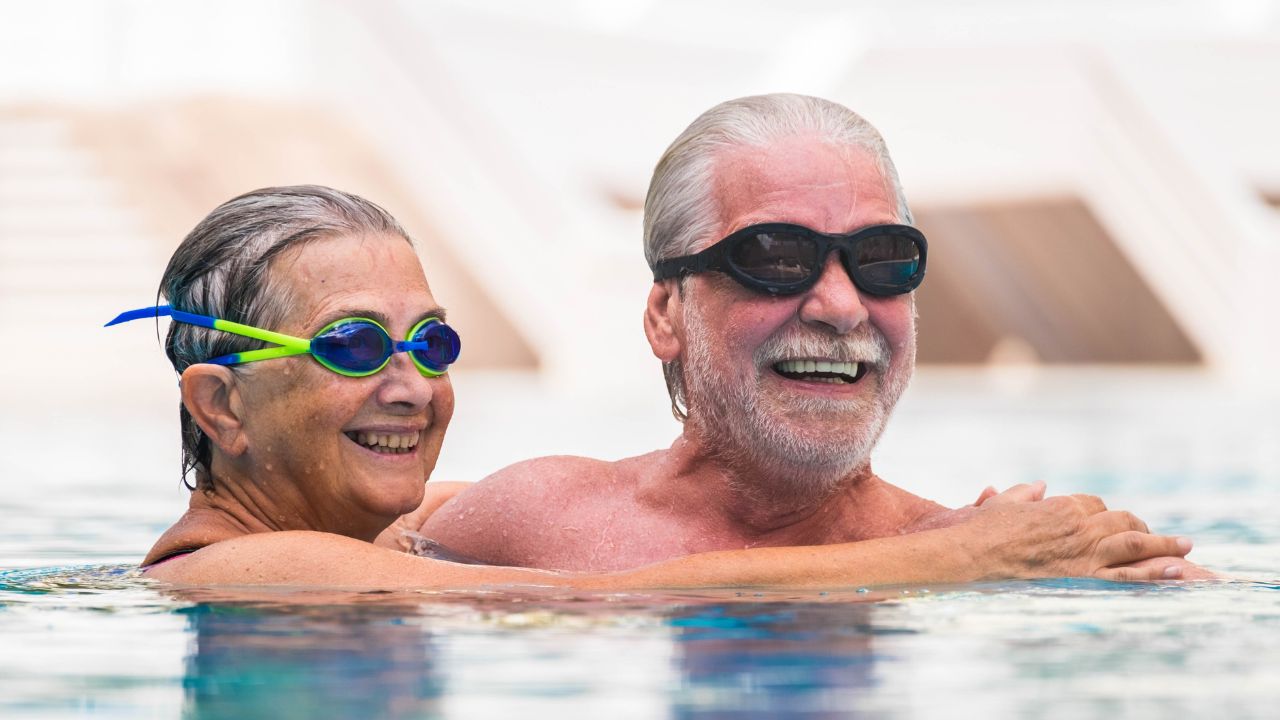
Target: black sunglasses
[(785, 259)]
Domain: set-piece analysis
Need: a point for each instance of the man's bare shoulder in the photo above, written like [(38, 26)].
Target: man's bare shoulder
[(506, 517), (562, 471)]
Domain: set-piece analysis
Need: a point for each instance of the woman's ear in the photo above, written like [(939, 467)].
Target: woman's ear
[(661, 320), (211, 395)]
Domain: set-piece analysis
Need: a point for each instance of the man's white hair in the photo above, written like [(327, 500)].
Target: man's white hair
[(681, 211)]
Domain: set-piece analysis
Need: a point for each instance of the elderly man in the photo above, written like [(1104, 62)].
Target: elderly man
[(783, 313)]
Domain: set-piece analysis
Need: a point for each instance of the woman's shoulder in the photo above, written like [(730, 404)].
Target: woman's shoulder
[(285, 557), (196, 529)]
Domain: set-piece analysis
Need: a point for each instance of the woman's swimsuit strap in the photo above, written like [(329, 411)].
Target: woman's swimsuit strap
[(170, 556)]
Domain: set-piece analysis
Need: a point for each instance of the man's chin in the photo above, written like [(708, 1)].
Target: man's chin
[(812, 441), (814, 455)]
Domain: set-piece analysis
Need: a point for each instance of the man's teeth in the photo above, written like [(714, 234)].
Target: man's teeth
[(819, 370), (397, 443)]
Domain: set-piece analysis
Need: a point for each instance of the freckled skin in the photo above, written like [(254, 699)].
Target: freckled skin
[(294, 502), (298, 470), (299, 409), (582, 514)]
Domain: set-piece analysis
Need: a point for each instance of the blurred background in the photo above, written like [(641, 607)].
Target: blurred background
[(1100, 183)]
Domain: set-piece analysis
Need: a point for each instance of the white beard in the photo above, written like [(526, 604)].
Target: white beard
[(803, 446)]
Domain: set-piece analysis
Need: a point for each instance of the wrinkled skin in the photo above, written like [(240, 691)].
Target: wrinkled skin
[(764, 460)]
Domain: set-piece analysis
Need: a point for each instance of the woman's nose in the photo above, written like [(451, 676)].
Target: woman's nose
[(404, 385)]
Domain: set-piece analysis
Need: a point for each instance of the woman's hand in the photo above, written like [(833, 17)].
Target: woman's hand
[(1189, 570), (1067, 536), (1022, 492)]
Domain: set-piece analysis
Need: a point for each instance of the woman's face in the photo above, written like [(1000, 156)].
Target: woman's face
[(316, 432)]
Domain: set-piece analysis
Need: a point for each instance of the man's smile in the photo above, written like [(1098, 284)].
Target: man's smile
[(836, 372)]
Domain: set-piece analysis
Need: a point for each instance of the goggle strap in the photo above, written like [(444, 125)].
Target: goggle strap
[(297, 344), (696, 263), (288, 344), (155, 311), (255, 355)]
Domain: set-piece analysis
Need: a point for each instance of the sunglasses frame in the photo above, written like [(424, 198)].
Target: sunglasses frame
[(717, 257), (288, 345)]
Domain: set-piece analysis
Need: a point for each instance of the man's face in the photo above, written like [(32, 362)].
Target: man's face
[(745, 391)]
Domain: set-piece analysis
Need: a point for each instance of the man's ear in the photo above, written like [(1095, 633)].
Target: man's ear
[(661, 320), (212, 396)]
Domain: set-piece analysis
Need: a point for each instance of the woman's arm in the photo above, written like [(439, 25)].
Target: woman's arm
[(1061, 536), (1069, 536)]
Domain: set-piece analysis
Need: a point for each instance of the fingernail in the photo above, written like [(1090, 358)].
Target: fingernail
[(1173, 571), (1184, 544)]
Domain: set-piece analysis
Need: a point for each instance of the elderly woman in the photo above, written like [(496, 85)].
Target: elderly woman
[(315, 397)]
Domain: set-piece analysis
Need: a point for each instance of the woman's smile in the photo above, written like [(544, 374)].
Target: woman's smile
[(386, 442)]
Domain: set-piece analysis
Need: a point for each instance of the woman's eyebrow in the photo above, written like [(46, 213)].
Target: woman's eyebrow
[(380, 317), (342, 313)]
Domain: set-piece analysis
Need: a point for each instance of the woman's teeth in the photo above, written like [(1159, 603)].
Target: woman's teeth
[(819, 371), (388, 443)]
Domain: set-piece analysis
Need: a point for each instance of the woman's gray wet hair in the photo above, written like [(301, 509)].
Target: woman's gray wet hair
[(680, 210), (222, 269)]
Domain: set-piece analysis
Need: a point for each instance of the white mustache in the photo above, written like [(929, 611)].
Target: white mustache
[(867, 346)]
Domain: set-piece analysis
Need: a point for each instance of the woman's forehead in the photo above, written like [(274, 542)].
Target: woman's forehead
[(379, 273)]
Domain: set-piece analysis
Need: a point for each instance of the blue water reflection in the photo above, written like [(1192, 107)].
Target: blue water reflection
[(96, 639), (774, 660), (309, 662)]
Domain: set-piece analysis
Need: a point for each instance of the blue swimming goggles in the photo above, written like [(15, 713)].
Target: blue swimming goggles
[(354, 346)]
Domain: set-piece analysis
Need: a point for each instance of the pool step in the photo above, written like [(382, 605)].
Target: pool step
[(72, 255)]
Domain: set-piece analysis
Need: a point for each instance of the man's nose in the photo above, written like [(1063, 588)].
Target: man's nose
[(403, 385), (834, 301)]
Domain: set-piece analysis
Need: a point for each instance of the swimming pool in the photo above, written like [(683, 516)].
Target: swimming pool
[(81, 634)]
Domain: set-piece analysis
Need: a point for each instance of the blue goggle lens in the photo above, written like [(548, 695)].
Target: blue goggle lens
[(358, 346), (443, 345)]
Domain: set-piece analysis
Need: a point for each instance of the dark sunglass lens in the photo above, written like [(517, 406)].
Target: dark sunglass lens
[(776, 257), (888, 262), (443, 345), (359, 347)]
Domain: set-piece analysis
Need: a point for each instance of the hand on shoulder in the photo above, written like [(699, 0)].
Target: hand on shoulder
[(1022, 492), (1069, 536)]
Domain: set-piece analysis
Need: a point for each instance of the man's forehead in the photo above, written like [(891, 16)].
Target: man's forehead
[(829, 187), (795, 158)]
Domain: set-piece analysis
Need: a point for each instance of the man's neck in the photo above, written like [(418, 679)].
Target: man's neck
[(769, 506)]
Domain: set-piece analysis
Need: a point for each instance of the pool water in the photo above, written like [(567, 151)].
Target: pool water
[(96, 639), (82, 634)]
